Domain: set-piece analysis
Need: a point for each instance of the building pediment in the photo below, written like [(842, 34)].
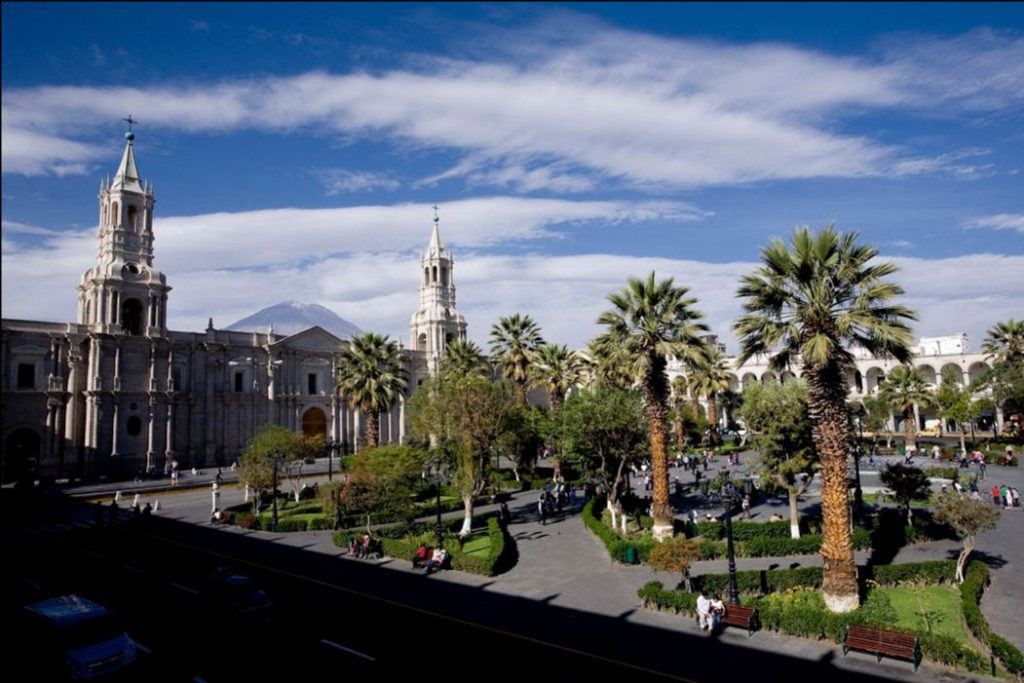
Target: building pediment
[(315, 339)]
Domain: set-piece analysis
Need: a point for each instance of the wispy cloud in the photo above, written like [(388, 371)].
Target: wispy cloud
[(597, 105), (1000, 221), (339, 180)]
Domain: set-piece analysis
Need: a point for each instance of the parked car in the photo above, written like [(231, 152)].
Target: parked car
[(75, 638)]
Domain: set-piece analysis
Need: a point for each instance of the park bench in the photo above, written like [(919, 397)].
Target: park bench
[(421, 562), (742, 616), (882, 643)]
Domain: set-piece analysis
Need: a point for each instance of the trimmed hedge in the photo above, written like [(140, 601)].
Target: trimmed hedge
[(617, 545), (404, 546), (975, 580)]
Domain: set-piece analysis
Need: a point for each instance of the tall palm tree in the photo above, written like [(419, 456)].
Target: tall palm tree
[(464, 358), (1005, 341), (513, 341), (806, 305), (609, 364), (371, 374), (712, 378), (557, 369), (652, 320), (904, 388)]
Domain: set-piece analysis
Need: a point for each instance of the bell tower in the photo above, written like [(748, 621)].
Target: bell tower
[(437, 323), (123, 294)]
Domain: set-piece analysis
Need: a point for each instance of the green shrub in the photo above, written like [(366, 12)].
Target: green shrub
[(942, 473), (877, 610), (1007, 653), (914, 573), (249, 521), (951, 652), (291, 525)]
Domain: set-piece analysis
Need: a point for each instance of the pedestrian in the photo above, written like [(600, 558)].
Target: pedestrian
[(936, 452), (1014, 496), (981, 468), (704, 611), (136, 501), (504, 516), (1005, 495), (996, 495), (746, 506), (542, 508)]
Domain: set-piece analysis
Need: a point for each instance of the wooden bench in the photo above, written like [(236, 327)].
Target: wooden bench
[(882, 643), (743, 616)]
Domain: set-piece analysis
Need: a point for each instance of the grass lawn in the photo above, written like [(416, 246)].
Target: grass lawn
[(477, 544), (872, 498), (937, 605)]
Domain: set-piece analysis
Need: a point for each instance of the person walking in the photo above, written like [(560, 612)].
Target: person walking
[(746, 506), (996, 495), (542, 508)]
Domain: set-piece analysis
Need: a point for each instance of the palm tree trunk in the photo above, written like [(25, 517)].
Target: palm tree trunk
[(826, 393), (713, 421), (963, 439), (679, 428), (372, 433), (908, 428), (661, 511)]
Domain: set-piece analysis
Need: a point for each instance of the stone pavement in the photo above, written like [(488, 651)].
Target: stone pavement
[(563, 564)]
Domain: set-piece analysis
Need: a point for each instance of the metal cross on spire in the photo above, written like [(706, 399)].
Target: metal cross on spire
[(435, 213), (130, 121)]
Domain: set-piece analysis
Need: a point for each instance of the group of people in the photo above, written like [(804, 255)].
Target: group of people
[(710, 611), (437, 560), (365, 545), (1007, 496)]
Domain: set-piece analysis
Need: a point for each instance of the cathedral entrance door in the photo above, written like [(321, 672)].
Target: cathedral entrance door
[(314, 423)]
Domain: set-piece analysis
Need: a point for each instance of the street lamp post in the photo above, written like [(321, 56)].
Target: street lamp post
[(332, 448), (729, 495), (275, 457), (435, 473)]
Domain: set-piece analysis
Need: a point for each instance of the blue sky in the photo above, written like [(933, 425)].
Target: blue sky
[(297, 148)]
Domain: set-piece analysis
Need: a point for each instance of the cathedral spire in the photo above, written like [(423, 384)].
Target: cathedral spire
[(127, 176), (435, 248)]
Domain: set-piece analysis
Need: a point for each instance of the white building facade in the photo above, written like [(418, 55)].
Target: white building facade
[(117, 393)]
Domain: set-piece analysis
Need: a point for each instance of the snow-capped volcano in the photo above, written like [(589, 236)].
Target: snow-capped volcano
[(290, 317)]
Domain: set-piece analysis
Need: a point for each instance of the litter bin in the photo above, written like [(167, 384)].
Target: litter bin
[(630, 555)]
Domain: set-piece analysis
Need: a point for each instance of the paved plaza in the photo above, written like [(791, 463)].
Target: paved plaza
[(563, 564)]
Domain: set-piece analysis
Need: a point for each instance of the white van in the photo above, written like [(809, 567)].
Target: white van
[(88, 637)]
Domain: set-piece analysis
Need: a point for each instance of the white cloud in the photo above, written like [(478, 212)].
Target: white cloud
[(339, 180), (595, 104), (999, 221)]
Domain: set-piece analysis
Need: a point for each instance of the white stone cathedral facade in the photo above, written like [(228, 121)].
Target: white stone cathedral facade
[(117, 393)]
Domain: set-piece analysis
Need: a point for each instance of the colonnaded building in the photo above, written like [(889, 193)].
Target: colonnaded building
[(118, 393)]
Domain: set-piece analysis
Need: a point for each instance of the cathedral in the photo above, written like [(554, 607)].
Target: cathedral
[(117, 393)]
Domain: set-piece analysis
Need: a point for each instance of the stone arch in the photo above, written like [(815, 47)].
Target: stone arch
[(769, 377), (954, 371), (21, 454), (421, 341), (976, 371), (929, 374), (874, 377), (133, 219), (748, 379), (786, 376), (131, 316), (314, 422)]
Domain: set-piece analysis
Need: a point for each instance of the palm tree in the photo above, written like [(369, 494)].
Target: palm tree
[(806, 305), (513, 342), (712, 378), (650, 321), (464, 358), (609, 364), (1005, 341), (371, 374), (904, 388), (557, 369)]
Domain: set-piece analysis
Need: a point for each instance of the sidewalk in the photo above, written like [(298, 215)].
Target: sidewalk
[(563, 564)]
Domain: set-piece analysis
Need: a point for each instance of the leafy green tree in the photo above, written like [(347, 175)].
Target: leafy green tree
[(382, 481), (464, 418), (877, 412), (777, 415), (904, 388), (372, 375), (907, 483), (654, 320), (514, 340), (610, 364), (968, 517), (255, 466), (808, 305), (954, 403), (603, 431)]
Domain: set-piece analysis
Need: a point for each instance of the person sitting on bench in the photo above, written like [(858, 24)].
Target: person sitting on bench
[(420, 558), (438, 560)]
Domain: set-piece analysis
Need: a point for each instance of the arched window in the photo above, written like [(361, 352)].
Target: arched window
[(134, 425), (435, 274), (421, 342), (444, 276), (132, 219), (115, 215), (426, 276), (131, 316)]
